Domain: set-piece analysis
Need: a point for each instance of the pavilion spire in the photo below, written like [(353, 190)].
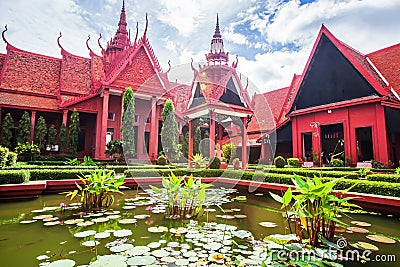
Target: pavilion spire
[(217, 53), (121, 37)]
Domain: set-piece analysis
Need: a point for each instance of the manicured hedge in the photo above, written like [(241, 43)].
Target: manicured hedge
[(14, 176), (47, 162), (50, 167), (391, 178), (311, 173), (56, 174)]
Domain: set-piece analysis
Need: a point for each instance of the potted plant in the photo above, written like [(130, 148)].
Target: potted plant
[(236, 163), (198, 160)]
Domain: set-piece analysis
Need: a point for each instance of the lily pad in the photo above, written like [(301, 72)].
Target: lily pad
[(127, 221), (102, 235), (158, 229), (42, 257), (52, 223), (121, 248), (365, 246), (90, 243), (122, 233), (141, 260), (62, 263), (27, 221), (168, 259), (159, 253), (382, 239), (182, 262), (362, 224), (109, 260), (141, 216), (268, 224), (85, 233), (358, 230)]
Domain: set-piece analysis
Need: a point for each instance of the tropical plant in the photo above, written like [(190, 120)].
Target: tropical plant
[(27, 151), (98, 189), (236, 163), (229, 151), (88, 161), (40, 133), (11, 159), (398, 171), (198, 159), (279, 162), (3, 156), (63, 137), (315, 157), (24, 128), (115, 149), (74, 131), (72, 162), (162, 160), (315, 208), (337, 163), (185, 195), (364, 172), (52, 137), (293, 162), (6, 133), (128, 124), (169, 131)]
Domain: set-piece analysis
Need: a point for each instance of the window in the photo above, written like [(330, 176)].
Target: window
[(111, 116), (148, 120), (136, 118)]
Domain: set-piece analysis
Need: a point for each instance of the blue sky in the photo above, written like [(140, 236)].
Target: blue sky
[(272, 38)]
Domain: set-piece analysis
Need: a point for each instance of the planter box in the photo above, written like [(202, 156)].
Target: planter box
[(22, 191)]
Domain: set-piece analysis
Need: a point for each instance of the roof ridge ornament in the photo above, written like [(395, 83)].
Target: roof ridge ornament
[(169, 66), (3, 34), (137, 32), (98, 42), (87, 43), (145, 29), (193, 68), (58, 41)]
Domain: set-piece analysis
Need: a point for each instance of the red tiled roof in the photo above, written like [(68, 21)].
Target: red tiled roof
[(387, 61), (2, 58), (31, 73), (28, 101), (267, 109), (75, 74), (289, 99)]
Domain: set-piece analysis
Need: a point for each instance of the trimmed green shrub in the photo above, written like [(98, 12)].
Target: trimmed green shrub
[(162, 160), (169, 131), (14, 176), (6, 130), (57, 174), (215, 163), (74, 128), (3, 156), (27, 151), (377, 165), (229, 151), (41, 133), (128, 124), (279, 162), (391, 178), (63, 136), (11, 159), (293, 162), (24, 128), (337, 163), (314, 172)]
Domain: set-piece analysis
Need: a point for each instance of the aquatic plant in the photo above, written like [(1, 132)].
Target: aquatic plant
[(315, 208), (98, 189), (185, 195)]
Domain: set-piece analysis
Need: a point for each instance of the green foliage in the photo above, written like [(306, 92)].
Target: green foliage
[(293, 162), (40, 133), (184, 142), (6, 133), (315, 208), (14, 176), (236, 163), (364, 172), (98, 189), (162, 160), (128, 124), (314, 172), (198, 159), (169, 131), (11, 159), (3, 156), (347, 161), (27, 151), (88, 161), (185, 195), (398, 171), (74, 131), (196, 139), (377, 164), (337, 163), (73, 162), (279, 162), (24, 128), (52, 136), (229, 151), (215, 163), (115, 149), (391, 178), (63, 137)]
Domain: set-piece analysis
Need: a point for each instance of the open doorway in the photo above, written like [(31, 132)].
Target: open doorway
[(365, 150), (332, 139), (307, 146)]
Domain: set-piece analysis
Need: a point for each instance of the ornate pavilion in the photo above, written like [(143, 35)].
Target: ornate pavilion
[(342, 95)]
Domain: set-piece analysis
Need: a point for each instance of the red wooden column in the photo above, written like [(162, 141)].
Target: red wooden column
[(190, 149), (65, 117), (117, 132), (212, 133), (220, 134), (244, 144), (33, 119), (295, 140), (380, 142), (104, 117), (140, 138), (153, 130)]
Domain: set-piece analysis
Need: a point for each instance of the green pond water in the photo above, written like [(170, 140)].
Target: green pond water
[(20, 244)]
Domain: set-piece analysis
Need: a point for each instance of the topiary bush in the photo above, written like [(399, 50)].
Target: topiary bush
[(279, 162), (337, 163), (377, 164), (162, 160), (215, 163), (11, 159), (293, 162), (229, 151), (14, 176), (3, 156), (27, 151)]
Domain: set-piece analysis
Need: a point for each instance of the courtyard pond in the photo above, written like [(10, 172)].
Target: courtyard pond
[(241, 229)]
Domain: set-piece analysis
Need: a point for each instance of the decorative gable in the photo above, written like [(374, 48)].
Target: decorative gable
[(75, 75)]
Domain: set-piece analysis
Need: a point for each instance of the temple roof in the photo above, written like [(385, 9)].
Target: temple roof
[(217, 53)]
